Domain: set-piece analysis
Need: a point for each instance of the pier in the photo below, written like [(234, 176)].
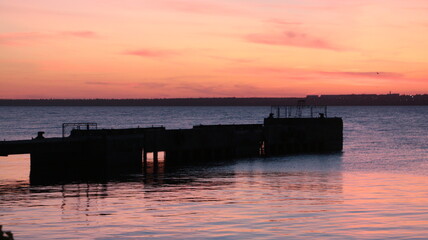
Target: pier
[(98, 152)]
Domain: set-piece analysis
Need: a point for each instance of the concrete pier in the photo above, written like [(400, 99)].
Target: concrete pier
[(102, 152)]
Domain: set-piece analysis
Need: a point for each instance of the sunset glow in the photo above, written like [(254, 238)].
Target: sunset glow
[(211, 48)]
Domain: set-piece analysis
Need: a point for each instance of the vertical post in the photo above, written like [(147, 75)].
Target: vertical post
[(312, 114), (145, 158), (278, 111), (155, 162), (155, 158), (325, 111)]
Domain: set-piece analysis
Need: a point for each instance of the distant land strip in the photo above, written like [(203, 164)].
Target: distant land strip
[(330, 100)]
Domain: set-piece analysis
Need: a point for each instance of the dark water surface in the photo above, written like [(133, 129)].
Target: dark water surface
[(376, 189)]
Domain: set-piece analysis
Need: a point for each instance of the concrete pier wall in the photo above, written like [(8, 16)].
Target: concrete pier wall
[(302, 135), (98, 152), (65, 159), (207, 143)]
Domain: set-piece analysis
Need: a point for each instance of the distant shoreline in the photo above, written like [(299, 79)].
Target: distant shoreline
[(330, 100)]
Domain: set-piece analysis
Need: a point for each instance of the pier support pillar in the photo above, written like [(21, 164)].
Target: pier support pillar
[(155, 158), (144, 159)]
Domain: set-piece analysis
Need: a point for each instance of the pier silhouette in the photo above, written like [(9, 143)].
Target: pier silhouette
[(101, 152)]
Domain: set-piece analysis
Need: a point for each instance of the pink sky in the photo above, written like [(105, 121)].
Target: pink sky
[(211, 48)]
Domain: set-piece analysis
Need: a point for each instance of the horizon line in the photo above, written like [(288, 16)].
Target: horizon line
[(178, 98)]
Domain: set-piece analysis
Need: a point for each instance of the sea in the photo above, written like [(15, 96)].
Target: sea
[(377, 188)]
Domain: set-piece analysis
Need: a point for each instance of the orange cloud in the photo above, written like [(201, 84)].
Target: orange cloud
[(198, 7), (80, 34), (264, 71), (305, 76), (365, 74), (236, 60), (283, 22), (291, 38), (151, 85), (149, 53), (102, 83), (19, 38)]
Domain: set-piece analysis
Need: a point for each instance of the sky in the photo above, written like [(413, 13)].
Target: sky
[(211, 48)]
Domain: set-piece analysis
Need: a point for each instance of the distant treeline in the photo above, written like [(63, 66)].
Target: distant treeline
[(331, 100)]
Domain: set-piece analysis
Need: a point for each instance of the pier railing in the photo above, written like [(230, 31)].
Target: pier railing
[(298, 111), (68, 127)]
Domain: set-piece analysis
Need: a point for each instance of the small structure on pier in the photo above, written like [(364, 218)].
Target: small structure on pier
[(301, 110), (92, 151), (77, 126)]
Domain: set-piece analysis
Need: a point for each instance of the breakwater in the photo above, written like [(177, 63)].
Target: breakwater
[(99, 152)]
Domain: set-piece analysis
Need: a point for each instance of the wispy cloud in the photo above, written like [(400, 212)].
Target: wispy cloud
[(236, 60), (135, 84), (151, 84), (264, 71), (292, 38), (301, 74), (365, 74), (283, 22), (100, 83), (151, 53), (198, 7), (204, 89), (183, 77), (22, 38), (212, 89), (79, 34)]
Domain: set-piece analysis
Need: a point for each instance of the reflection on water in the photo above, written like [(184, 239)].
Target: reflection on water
[(251, 198), (293, 197)]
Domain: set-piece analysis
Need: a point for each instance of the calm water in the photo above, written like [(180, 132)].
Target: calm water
[(376, 189)]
